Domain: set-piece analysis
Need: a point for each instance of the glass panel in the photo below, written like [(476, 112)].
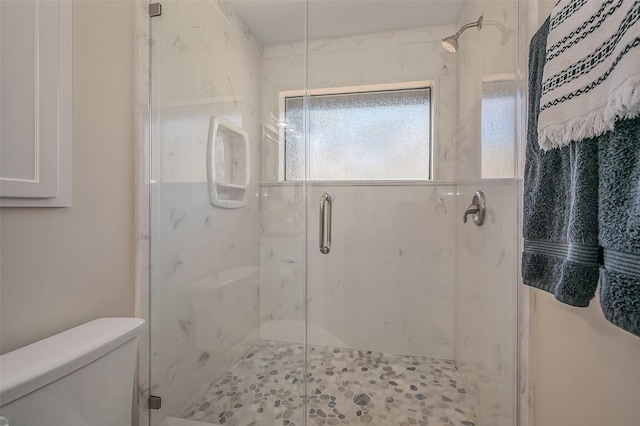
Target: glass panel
[(487, 256), (362, 136), (411, 314), (220, 294)]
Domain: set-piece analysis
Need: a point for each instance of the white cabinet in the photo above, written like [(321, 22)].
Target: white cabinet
[(35, 106)]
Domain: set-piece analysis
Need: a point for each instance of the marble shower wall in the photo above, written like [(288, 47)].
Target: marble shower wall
[(204, 64), (483, 56), (388, 283), (486, 301)]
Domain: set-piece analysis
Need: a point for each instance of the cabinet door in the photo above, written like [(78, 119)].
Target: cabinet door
[(35, 109)]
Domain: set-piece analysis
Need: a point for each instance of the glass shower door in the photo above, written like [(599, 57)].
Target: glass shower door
[(311, 162), (411, 312), (382, 300), (227, 238)]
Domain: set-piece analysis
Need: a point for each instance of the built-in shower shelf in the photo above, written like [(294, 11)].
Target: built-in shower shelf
[(228, 166)]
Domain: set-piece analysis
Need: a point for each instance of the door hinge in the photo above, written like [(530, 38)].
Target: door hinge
[(155, 9), (155, 402)]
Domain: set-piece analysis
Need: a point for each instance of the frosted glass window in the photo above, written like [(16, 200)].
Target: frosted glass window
[(382, 135), (498, 129)]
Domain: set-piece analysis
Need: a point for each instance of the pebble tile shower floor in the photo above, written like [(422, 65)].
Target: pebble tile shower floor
[(346, 387)]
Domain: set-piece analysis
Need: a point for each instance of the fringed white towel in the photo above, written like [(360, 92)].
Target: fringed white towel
[(592, 71)]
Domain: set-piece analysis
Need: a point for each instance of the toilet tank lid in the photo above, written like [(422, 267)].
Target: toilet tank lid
[(34, 366)]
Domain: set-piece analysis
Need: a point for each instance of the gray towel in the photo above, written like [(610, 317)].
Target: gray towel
[(619, 222), (560, 223)]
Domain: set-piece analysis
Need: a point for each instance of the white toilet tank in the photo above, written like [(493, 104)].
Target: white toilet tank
[(80, 377)]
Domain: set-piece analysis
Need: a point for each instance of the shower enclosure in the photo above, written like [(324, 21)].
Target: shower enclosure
[(310, 163)]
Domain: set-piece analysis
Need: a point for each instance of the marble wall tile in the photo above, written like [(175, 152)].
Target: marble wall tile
[(486, 55), (486, 301), (194, 240), (277, 75)]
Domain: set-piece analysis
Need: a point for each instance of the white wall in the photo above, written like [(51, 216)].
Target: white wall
[(63, 267), (586, 371)]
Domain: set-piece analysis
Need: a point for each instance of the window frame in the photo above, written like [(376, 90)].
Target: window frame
[(349, 90)]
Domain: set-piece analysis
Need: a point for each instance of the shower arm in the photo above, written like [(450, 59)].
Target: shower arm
[(465, 27), (507, 34)]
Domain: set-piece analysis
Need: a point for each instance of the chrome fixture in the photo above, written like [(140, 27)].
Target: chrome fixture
[(361, 399), (477, 208), (155, 402), (155, 9), (325, 223), (450, 44)]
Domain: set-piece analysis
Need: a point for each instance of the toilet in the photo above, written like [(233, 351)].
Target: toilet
[(81, 377)]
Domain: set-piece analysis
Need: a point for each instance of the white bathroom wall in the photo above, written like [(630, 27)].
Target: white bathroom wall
[(585, 371), (387, 284), (63, 267), (204, 64), (486, 256)]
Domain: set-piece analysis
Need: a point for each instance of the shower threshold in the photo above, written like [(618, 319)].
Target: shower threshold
[(345, 386)]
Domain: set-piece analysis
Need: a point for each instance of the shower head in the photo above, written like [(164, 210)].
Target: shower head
[(450, 43)]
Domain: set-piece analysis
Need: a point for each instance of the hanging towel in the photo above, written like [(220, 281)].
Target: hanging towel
[(592, 70), (560, 205), (619, 221)]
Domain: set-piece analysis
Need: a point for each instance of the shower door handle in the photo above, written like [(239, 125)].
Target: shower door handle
[(326, 208)]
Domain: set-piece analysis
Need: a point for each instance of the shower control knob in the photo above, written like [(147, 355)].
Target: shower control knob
[(477, 208)]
